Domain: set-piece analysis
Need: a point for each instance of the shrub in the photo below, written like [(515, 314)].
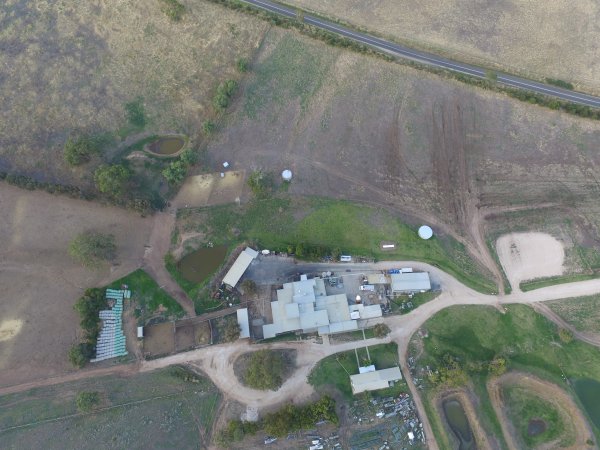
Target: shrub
[(175, 172), (242, 65), (77, 356), (110, 179), (265, 370), (560, 83), (249, 287), (381, 330), (189, 157), (135, 112), (91, 248), (497, 366), (79, 150), (491, 75), (173, 9), (261, 183), (224, 93), (208, 127), (87, 401), (565, 335), (228, 328)]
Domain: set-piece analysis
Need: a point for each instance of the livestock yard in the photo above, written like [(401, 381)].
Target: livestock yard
[(497, 34)]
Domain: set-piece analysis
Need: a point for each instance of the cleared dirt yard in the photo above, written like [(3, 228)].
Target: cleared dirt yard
[(41, 282), (557, 39), (526, 256), (72, 66)]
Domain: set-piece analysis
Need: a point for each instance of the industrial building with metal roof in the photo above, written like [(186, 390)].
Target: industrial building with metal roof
[(409, 283), (373, 380), (304, 305), (239, 267)]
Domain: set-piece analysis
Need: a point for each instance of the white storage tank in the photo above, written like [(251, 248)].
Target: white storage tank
[(425, 232)]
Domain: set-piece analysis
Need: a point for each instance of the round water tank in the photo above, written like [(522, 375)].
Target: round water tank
[(425, 232), (286, 175)]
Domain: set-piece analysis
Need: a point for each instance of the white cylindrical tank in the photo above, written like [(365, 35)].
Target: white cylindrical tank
[(286, 175), (425, 232)]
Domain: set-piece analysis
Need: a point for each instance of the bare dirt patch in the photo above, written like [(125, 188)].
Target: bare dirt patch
[(41, 282), (547, 391), (526, 256), (534, 37), (210, 189), (159, 339)]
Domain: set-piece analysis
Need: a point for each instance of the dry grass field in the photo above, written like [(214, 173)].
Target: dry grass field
[(350, 126), (556, 39), (41, 282), (71, 66)]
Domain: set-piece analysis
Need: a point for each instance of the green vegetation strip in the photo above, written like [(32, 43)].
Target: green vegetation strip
[(530, 285), (313, 227), (467, 344)]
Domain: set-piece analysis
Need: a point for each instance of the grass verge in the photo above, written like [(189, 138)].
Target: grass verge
[(581, 312), (538, 283), (150, 300), (323, 225)]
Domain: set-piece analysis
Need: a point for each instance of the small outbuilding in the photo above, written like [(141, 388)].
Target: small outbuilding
[(243, 322), (410, 282), (239, 267), (374, 379)]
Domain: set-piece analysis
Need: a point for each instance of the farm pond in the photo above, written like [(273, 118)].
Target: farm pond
[(200, 264), (588, 391), (459, 424)]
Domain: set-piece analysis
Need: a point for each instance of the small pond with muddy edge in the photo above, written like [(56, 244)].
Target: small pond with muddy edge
[(459, 424), (200, 264), (166, 146), (588, 391), (535, 427)]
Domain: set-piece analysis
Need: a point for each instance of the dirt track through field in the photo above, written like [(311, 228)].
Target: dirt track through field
[(547, 391)]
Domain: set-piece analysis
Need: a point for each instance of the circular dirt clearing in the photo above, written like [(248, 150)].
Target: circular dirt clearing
[(526, 256)]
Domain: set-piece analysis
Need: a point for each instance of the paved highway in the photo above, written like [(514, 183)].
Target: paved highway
[(428, 58)]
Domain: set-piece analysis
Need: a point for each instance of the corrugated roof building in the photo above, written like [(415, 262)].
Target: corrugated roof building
[(374, 380), (239, 267), (243, 322), (407, 283)]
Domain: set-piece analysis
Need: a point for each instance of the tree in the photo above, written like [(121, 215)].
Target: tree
[(88, 307), (135, 112), (110, 179), (77, 356), (189, 157), (224, 93), (497, 366), (91, 248), (249, 287), (87, 401), (565, 335), (265, 370), (175, 172), (79, 150)]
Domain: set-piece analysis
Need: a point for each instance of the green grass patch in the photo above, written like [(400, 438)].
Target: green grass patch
[(475, 335), (524, 406), (333, 371), (403, 304), (581, 312), (150, 300), (538, 283), (281, 223)]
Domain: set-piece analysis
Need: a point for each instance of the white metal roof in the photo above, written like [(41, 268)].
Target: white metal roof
[(239, 266), (243, 322), (372, 381), (410, 282)]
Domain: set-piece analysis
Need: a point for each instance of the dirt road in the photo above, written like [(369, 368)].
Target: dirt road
[(217, 361), (154, 259)]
